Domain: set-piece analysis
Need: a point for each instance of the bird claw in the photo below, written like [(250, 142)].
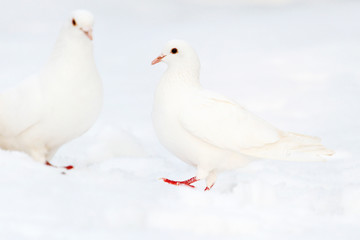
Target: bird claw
[(208, 188), (177, 183), (69, 167)]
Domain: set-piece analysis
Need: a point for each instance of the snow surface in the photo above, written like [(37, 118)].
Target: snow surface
[(294, 63)]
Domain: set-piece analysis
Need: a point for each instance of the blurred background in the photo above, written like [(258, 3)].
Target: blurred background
[(295, 63)]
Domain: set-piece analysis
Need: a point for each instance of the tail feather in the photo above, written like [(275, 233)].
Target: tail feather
[(317, 149), (293, 147), (300, 147)]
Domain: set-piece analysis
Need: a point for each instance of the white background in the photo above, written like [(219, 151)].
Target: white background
[(294, 63)]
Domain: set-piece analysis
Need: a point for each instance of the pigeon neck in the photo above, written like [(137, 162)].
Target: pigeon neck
[(71, 48), (183, 75)]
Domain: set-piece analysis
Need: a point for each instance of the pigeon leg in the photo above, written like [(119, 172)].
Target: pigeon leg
[(69, 167), (210, 180), (186, 182)]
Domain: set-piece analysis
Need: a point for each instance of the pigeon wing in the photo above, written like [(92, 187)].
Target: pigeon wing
[(225, 124), (20, 108)]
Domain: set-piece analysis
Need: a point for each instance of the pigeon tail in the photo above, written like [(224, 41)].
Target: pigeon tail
[(293, 147)]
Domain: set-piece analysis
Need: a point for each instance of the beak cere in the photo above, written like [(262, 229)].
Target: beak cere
[(158, 59), (88, 33)]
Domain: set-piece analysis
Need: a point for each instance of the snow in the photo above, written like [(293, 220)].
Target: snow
[(294, 63)]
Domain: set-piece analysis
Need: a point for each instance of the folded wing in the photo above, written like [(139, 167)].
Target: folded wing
[(20, 108), (223, 123)]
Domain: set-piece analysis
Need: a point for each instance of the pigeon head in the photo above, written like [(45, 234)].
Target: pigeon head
[(178, 53), (81, 23)]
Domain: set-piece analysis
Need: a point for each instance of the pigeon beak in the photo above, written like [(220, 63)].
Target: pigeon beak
[(88, 33), (158, 59)]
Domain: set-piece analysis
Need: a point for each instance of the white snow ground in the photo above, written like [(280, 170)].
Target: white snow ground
[(294, 63)]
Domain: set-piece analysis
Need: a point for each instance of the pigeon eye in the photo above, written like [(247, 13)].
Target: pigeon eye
[(174, 51), (73, 22)]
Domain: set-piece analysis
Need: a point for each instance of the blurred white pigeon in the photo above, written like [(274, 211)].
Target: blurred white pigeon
[(211, 132), (61, 102)]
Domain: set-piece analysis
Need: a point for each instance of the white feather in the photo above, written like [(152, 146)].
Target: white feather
[(60, 103), (212, 132)]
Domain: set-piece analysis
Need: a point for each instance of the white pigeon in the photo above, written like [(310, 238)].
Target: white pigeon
[(211, 132), (59, 104)]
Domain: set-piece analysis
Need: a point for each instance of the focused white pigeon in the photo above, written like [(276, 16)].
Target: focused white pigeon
[(59, 104), (211, 132)]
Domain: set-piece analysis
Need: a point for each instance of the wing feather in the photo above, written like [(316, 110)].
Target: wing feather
[(20, 108), (225, 124)]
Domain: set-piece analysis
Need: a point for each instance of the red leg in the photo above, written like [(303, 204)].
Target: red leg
[(186, 182), (66, 167)]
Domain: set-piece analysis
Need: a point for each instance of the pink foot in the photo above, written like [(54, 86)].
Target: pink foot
[(186, 182), (66, 167)]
